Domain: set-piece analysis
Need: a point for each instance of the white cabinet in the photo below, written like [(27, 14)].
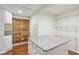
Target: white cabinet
[(5, 43), (34, 49), (1, 30), (31, 49), (8, 17), (77, 48), (7, 23), (69, 23), (72, 44), (8, 42), (33, 26)]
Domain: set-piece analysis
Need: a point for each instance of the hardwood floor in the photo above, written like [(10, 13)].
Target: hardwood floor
[(23, 50), (18, 50)]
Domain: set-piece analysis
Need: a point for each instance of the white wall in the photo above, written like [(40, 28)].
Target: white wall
[(42, 24), (8, 38), (68, 28), (46, 24), (1, 30), (67, 24), (5, 44), (33, 26), (77, 41)]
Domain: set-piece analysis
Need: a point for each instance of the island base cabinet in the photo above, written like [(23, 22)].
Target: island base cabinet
[(34, 49), (60, 50)]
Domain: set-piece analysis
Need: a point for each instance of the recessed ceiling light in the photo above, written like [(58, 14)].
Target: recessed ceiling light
[(20, 11)]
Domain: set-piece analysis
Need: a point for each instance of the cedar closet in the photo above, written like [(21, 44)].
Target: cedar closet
[(20, 30)]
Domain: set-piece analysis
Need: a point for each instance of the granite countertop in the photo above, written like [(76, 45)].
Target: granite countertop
[(48, 42)]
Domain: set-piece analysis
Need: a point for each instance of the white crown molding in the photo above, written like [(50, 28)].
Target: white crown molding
[(74, 13)]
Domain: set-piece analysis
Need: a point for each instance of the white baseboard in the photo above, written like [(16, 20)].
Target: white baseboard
[(5, 51), (11, 47)]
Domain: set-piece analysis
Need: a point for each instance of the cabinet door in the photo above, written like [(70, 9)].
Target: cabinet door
[(31, 49), (34, 49), (77, 43), (8, 17), (39, 51), (8, 42), (72, 44)]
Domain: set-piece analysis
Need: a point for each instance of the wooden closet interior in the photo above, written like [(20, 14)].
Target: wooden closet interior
[(20, 30)]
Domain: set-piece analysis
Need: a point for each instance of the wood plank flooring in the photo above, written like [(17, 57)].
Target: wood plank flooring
[(23, 50), (18, 50)]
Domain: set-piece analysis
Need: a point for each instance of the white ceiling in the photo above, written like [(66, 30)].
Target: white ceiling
[(30, 9), (60, 9)]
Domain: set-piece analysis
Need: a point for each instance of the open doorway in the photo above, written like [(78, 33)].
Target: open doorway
[(20, 30), (20, 35)]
